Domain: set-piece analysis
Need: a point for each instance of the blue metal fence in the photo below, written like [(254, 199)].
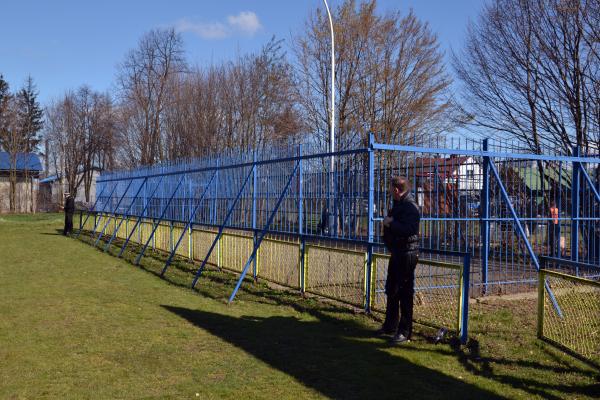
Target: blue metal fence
[(502, 205)]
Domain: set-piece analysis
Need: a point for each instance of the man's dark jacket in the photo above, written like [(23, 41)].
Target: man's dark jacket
[(403, 232), (70, 205)]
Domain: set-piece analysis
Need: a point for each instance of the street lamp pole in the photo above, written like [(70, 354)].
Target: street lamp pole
[(332, 127)]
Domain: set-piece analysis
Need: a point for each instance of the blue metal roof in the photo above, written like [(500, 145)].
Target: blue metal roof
[(25, 161)]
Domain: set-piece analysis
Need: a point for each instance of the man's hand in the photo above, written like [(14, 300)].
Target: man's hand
[(387, 221)]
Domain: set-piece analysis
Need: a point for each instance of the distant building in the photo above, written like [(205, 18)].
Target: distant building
[(52, 190), (28, 170), (445, 185)]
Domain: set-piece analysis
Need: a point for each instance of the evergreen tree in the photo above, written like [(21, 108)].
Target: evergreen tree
[(4, 99), (30, 122), (30, 115)]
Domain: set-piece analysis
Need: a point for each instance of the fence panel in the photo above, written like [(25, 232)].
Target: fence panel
[(335, 273), (576, 323), (235, 250), (201, 241), (278, 262), (438, 288)]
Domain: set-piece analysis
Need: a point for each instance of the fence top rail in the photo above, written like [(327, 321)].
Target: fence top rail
[(568, 277), (433, 263), (211, 164), (483, 153), (568, 263), (178, 171)]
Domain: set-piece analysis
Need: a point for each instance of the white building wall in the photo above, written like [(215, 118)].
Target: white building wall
[(469, 181)]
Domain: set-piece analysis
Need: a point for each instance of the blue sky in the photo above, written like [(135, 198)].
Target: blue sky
[(64, 43)]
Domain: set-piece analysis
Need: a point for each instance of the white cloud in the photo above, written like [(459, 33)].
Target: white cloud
[(211, 30), (246, 22)]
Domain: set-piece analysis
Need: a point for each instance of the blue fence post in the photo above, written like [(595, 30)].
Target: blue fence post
[(371, 230), (254, 189), (575, 205), (301, 220), (593, 245), (213, 214), (484, 217)]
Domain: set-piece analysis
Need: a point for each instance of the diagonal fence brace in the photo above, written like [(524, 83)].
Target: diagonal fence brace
[(88, 214), (113, 213), (521, 232), (140, 217), (263, 233), (157, 223), (189, 223), (589, 182), (114, 235), (104, 209), (221, 227)]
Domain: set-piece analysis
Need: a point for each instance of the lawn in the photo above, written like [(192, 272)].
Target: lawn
[(78, 323)]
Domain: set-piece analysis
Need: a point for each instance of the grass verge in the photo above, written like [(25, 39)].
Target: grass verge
[(79, 323)]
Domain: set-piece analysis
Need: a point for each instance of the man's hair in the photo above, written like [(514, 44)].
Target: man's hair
[(401, 183)]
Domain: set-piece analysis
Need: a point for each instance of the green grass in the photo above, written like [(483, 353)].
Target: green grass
[(77, 323)]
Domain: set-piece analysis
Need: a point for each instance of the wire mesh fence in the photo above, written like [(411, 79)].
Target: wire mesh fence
[(439, 287), (569, 313)]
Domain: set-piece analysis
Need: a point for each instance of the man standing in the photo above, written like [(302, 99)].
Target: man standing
[(401, 237), (69, 210)]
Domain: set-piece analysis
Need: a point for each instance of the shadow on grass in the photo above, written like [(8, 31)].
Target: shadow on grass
[(471, 358), (326, 357), (331, 355), (564, 349)]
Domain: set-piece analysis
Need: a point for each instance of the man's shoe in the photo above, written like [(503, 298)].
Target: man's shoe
[(383, 332), (399, 338)]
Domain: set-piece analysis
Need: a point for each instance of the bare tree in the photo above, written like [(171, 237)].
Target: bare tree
[(13, 143), (246, 103), (390, 76), (20, 122), (529, 70), (144, 80), (80, 137)]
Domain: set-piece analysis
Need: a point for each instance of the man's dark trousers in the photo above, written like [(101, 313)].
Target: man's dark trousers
[(68, 223), (399, 289)]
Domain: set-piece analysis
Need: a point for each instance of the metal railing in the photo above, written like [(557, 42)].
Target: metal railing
[(492, 200)]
